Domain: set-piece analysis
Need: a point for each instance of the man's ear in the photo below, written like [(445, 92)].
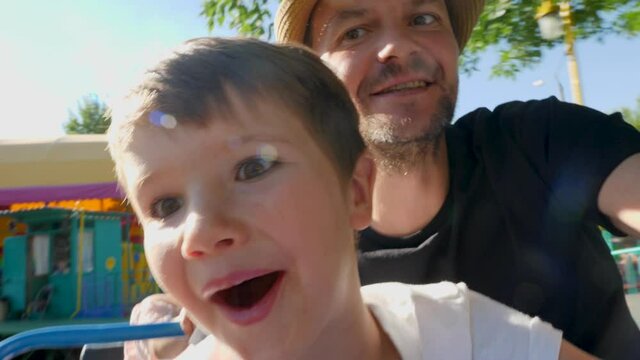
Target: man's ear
[(361, 189)]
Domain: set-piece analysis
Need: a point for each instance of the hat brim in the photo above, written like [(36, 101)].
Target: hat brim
[(293, 16)]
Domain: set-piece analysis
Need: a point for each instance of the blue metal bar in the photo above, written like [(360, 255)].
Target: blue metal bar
[(626, 251), (69, 336)]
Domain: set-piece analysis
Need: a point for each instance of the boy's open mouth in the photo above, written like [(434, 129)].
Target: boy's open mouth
[(247, 293)]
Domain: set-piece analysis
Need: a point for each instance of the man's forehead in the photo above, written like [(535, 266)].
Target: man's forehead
[(336, 10), (368, 5)]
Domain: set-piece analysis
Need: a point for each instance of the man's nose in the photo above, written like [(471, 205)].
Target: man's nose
[(211, 233), (395, 45)]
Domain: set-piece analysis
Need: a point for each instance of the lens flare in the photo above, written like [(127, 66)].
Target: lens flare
[(155, 117), (158, 118), (267, 152), (168, 121)]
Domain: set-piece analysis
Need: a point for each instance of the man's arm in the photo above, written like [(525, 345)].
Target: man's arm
[(619, 197)]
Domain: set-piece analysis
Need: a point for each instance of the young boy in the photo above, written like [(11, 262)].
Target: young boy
[(244, 164)]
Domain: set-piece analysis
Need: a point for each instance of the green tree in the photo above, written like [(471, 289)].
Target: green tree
[(506, 26), (632, 116), (250, 17), (510, 27), (91, 118)]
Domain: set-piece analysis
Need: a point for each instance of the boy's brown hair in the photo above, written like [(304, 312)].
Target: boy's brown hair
[(195, 82)]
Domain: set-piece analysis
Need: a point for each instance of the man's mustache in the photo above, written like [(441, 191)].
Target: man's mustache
[(416, 67)]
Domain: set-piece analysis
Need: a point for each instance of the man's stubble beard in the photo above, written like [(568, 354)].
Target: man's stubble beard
[(397, 153)]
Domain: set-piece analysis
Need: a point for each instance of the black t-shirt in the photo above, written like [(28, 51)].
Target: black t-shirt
[(520, 222)]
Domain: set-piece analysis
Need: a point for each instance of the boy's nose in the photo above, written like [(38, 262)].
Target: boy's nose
[(211, 234)]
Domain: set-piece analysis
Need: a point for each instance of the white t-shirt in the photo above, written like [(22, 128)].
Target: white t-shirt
[(449, 321)]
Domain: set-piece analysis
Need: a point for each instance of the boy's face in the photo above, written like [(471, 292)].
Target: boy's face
[(248, 225)]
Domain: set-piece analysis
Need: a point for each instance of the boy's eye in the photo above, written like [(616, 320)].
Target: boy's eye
[(424, 19), (163, 208), (354, 34), (253, 168)]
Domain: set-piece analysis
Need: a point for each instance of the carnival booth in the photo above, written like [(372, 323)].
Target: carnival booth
[(71, 247), (70, 167)]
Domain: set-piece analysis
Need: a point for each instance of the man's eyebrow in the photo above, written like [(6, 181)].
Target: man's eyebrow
[(417, 3), (345, 15), (357, 13)]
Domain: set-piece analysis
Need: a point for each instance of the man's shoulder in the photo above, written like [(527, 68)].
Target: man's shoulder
[(523, 116), (536, 127), (520, 126), (514, 113)]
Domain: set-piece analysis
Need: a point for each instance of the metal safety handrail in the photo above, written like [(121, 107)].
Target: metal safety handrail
[(69, 336)]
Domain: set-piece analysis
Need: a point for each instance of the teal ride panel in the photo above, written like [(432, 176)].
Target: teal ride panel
[(14, 275)]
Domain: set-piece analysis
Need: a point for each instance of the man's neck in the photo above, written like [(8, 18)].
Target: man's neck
[(403, 203)]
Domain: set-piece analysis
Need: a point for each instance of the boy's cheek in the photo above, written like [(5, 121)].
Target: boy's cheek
[(164, 260)]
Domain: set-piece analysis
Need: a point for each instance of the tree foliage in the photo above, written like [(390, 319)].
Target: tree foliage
[(632, 116), (510, 27), (506, 26), (250, 17), (92, 117)]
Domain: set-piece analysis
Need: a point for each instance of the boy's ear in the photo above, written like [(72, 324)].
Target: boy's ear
[(361, 190)]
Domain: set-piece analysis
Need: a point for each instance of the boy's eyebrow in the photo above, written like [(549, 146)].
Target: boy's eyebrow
[(145, 179), (241, 140), (148, 178)]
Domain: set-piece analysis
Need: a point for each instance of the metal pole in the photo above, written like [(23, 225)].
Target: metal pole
[(569, 37), (560, 87)]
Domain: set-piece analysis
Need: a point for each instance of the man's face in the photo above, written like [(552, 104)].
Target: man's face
[(248, 225), (398, 60)]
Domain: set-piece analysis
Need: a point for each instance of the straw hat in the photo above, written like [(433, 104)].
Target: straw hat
[(293, 16)]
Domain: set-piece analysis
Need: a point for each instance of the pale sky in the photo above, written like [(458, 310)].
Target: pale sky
[(54, 52)]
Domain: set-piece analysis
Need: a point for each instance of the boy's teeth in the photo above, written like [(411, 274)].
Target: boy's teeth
[(408, 85)]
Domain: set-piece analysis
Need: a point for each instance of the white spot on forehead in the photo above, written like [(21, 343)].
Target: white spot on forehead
[(160, 119), (263, 150), (267, 152), (168, 121)]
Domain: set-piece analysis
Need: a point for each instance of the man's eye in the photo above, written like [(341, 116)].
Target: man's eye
[(164, 208), (354, 34), (253, 168), (424, 19)]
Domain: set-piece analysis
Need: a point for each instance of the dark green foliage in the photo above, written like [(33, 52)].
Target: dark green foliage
[(506, 26), (510, 27), (247, 17), (92, 117), (632, 116)]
